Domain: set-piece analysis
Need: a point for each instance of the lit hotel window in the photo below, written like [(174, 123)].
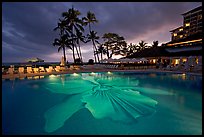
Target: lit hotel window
[(181, 36), (200, 17), (187, 24), (175, 34), (181, 29), (176, 61)]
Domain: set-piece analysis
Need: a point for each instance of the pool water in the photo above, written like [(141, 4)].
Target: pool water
[(119, 103)]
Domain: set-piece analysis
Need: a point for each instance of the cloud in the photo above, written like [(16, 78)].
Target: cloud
[(27, 27)]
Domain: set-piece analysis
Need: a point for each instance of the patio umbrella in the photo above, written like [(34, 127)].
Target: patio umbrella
[(135, 60), (110, 60), (104, 61), (143, 59), (125, 60)]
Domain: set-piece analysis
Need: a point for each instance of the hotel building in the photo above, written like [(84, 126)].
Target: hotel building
[(186, 41), (191, 31)]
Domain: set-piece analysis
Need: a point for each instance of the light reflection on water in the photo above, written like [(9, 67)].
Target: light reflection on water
[(120, 97)]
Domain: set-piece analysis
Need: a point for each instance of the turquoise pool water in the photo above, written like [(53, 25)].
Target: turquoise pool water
[(118, 103)]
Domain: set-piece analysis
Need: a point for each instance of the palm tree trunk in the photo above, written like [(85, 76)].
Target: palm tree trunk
[(73, 46), (94, 54), (80, 53), (77, 52), (73, 53), (64, 54), (107, 52), (94, 48), (97, 54), (101, 55)]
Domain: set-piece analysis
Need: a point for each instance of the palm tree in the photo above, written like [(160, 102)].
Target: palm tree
[(90, 18), (61, 25), (74, 25), (120, 46), (155, 44), (94, 38), (62, 43), (80, 37), (101, 50), (132, 48), (142, 45), (109, 39)]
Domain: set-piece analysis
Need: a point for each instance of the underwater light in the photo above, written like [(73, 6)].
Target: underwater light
[(75, 74), (42, 76), (51, 76), (92, 73), (109, 72)]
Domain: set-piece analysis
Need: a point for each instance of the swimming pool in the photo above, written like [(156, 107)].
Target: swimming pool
[(105, 103)]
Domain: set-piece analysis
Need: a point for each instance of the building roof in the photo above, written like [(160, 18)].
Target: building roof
[(150, 52), (169, 52), (193, 10), (176, 29)]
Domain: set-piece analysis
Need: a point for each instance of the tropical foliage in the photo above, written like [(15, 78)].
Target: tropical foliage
[(71, 33), (114, 44), (91, 18)]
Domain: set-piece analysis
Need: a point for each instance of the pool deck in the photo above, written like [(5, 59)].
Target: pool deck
[(13, 76)]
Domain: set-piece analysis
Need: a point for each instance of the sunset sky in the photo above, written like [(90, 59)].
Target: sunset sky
[(27, 27)]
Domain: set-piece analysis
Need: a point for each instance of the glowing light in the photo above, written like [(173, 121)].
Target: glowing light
[(42, 76), (154, 60), (183, 77), (181, 29), (75, 74), (185, 42), (36, 77), (92, 73), (29, 77), (109, 72), (176, 61), (187, 24), (52, 76), (175, 34)]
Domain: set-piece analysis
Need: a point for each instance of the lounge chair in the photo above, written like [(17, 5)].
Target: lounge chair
[(4, 71), (21, 70), (36, 70), (11, 70), (50, 69), (41, 69), (58, 69), (186, 66), (168, 67), (29, 70), (65, 68), (177, 67)]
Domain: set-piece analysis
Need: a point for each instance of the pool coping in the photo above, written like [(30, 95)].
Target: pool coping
[(13, 76)]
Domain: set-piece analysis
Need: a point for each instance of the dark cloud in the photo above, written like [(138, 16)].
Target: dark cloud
[(27, 27)]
